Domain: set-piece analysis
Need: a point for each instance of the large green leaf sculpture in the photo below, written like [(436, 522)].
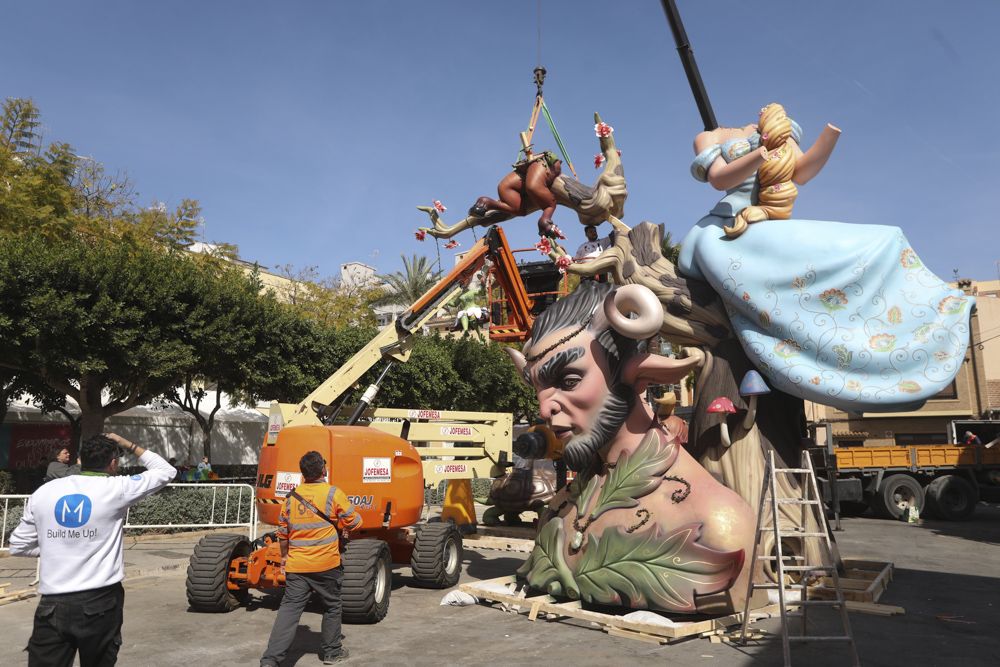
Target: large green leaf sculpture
[(653, 571), (545, 568), (633, 476)]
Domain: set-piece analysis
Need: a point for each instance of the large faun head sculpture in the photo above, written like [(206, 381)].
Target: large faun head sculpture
[(587, 361)]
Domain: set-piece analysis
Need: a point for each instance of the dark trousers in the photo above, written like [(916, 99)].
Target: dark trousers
[(86, 621), (299, 586)]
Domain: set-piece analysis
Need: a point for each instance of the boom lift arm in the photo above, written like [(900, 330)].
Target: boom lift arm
[(394, 343)]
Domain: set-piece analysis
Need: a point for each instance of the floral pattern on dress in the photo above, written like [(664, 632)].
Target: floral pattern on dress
[(875, 341)]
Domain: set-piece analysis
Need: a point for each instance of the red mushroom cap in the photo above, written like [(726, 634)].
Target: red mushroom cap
[(721, 404)]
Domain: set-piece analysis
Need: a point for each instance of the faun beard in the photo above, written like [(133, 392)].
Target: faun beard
[(583, 451)]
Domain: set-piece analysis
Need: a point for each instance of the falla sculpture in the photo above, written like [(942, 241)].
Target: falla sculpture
[(771, 311), (628, 531)]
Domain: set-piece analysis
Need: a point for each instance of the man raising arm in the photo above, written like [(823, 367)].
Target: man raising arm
[(74, 525)]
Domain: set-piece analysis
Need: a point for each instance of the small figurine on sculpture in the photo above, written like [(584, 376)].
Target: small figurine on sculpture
[(640, 503), (470, 313)]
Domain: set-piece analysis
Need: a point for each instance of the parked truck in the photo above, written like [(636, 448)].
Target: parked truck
[(942, 481)]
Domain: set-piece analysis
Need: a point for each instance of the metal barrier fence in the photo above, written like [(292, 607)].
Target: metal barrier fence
[(225, 516), (9, 524), (226, 505)]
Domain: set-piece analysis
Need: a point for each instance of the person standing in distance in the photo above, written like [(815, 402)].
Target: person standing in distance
[(310, 554), (74, 525), (60, 466)]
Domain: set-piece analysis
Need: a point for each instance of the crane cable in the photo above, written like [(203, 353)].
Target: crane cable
[(540, 106)]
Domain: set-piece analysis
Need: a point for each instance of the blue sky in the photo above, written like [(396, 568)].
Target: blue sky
[(309, 131)]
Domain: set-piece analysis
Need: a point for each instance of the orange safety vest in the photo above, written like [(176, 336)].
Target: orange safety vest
[(312, 540)]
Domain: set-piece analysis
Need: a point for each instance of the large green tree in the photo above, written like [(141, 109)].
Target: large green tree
[(105, 322), (328, 301), (225, 329)]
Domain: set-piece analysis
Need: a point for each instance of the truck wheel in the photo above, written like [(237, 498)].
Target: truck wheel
[(208, 573), (437, 555), (952, 498), (367, 581), (896, 495)]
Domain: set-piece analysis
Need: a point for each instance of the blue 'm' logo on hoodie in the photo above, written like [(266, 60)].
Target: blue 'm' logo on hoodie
[(73, 511)]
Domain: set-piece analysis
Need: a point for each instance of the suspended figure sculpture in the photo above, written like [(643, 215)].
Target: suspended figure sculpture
[(537, 183)]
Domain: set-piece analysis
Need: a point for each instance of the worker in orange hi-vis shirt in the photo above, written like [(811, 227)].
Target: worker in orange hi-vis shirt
[(308, 534)]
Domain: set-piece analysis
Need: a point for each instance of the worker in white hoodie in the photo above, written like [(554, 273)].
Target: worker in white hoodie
[(74, 525)]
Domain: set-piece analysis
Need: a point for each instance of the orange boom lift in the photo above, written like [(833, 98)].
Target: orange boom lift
[(384, 466)]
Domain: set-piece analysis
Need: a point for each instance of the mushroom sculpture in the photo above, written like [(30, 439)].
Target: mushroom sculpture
[(724, 406), (753, 385)]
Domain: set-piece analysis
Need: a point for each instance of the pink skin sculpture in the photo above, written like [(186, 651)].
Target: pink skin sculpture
[(638, 495)]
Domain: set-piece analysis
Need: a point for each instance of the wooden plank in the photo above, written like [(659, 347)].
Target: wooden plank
[(877, 609), (630, 634), (499, 543), (16, 596), (846, 584), (519, 532), (516, 601), (874, 565), (881, 581)]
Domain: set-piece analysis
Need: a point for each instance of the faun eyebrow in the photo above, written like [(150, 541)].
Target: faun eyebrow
[(548, 371)]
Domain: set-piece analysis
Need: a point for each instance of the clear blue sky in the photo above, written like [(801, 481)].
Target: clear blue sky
[(309, 131)]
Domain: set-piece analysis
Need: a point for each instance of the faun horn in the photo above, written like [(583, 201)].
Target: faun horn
[(636, 300)]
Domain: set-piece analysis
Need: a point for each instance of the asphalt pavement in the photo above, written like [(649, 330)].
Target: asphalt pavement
[(947, 577)]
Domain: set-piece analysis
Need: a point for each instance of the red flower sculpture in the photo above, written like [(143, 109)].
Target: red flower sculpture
[(544, 246), (598, 160), (439, 207), (421, 234), (451, 244), (563, 261), (603, 130)]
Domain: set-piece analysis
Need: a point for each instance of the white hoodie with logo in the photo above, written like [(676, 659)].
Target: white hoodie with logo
[(74, 524)]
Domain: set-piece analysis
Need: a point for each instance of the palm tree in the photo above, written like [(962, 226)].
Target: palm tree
[(670, 250), (406, 286)]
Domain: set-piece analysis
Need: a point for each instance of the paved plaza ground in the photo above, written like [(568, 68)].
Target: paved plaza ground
[(947, 578)]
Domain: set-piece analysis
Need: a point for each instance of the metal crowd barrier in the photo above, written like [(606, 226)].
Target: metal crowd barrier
[(223, 517), (246, 493)]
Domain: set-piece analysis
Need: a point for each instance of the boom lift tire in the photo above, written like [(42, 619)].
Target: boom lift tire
[(367, 581), (897, 494), (437, 555), (208, 573), (951, 497)]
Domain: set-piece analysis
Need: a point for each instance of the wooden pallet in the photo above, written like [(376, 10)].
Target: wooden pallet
[(862, 581), (515, 600), (477, 541)]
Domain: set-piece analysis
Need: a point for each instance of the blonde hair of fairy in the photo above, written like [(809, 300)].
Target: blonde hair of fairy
[(776, 191)]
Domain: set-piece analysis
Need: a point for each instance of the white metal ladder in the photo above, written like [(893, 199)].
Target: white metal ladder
[(812, 505)]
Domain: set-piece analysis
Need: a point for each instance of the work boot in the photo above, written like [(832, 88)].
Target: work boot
[(334, 658)]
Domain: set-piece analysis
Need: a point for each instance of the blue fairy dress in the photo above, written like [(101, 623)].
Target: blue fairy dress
[(839, 314)]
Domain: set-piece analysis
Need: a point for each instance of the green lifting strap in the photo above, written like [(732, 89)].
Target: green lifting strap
[(555, 133)]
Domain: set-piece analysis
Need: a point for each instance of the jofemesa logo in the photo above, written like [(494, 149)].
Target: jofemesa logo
[(73, 511)]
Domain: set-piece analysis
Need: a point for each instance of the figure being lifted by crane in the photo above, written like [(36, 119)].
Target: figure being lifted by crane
[(537, 183)]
